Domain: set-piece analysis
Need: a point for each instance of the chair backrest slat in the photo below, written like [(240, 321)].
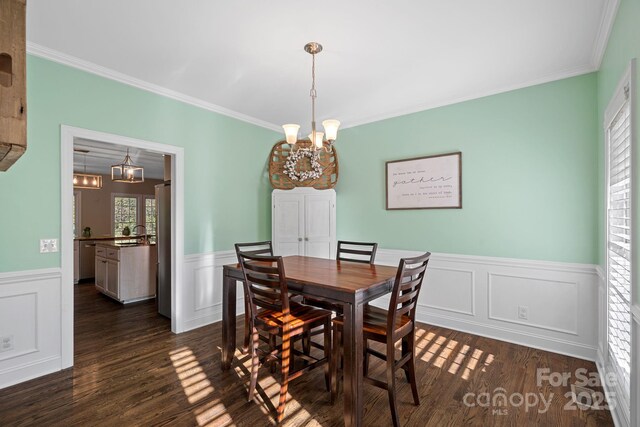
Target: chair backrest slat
[(255, 248), (264, 282), (406, 289), (360, 251)]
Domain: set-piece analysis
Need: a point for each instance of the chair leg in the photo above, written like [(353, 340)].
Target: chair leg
[(411, 369), (405, 349), (327, 353), (286, 343), (335, 361), (247, 328), (255, 362), (272, 349), (365, 358), (391, 384), (306, 342)]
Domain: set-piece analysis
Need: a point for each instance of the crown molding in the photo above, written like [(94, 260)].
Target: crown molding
[(604, 31), (90, 67), (563, 74)]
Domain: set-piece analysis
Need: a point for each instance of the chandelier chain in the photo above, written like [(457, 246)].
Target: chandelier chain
[(313, 95)]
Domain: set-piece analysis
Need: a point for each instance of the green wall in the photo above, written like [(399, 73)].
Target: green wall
[(227, 189), (623, 45), (529, 175)]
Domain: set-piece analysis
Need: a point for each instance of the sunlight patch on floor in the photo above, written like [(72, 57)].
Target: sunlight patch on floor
[(269, 388), (213, 414), (434, 348), (192, 377), (457, 361), (440, 351)]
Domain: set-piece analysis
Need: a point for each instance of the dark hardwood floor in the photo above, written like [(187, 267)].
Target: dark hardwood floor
[(131, 370)]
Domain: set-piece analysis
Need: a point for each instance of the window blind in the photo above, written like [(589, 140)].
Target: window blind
[(619, 247)]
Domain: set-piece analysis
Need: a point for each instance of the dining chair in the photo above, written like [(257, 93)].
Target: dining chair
[(252, 248), (347, 251), (388, 327), (356, 251), (271, 311)]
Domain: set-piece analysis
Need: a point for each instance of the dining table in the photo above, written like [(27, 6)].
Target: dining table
[(351, 284)]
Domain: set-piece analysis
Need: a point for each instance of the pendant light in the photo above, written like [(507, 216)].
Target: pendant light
[(85, 180), (127, 171), (330, 126)]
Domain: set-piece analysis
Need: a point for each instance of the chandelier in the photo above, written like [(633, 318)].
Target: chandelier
[(330, 126), (127, 171), (85, 180)]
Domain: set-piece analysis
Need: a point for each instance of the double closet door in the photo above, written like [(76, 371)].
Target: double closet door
[(304, 222)]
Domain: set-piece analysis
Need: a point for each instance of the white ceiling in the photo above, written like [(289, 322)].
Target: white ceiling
[(381, 58), (101, 156)]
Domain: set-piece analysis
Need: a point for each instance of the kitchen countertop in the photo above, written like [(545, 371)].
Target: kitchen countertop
[(107, 238), (123, 245)]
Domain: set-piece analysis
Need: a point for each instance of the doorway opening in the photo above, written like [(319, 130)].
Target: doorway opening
[(123, 238)]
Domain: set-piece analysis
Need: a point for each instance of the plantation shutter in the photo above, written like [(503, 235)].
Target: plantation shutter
[(619, 246)]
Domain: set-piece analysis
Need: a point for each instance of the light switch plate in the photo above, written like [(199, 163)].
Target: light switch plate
[(48, 245)]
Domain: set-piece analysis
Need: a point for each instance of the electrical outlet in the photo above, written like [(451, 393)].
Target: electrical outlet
[(48, 245), (523, 312), (6, 343)]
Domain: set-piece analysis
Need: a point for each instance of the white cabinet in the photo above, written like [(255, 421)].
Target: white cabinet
[(126, 273), (101, 273), (113, 278), (303, 222)]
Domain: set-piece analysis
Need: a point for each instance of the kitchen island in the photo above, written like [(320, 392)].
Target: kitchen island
[(126, 272)]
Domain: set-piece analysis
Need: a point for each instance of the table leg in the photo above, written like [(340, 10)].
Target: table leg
[(228, 321), (353, 347)]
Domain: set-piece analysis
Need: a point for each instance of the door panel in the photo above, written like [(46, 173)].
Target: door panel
[(319, 224), (101, 272), (113, 277), (318, 249), (288, 225)]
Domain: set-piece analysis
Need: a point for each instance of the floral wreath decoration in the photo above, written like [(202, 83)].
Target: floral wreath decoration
[(292, 160)]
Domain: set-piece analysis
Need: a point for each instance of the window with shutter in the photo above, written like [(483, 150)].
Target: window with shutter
[(619, 223)]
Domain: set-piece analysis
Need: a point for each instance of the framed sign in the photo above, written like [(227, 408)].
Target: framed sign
[(432, 182)]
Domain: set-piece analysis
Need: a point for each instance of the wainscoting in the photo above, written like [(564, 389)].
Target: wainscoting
[(492, 296), (30, 317), (480, 295), (202, 297)]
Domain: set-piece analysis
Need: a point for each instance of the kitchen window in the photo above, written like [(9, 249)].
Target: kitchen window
[(125, 212), (150, 216), (131, 210)]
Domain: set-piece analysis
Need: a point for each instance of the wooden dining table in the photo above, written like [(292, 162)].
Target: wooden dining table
[(351, 284)]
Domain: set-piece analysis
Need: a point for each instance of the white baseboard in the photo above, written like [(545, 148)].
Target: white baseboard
[(32, 297)]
